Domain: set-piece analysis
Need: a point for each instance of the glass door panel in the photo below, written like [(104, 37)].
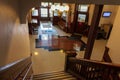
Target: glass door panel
[(81, 17), (44, 12)]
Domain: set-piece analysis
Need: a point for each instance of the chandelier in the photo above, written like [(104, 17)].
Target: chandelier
[(60, 7)]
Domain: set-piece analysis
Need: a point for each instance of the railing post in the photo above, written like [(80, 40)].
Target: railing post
[(67, 55)]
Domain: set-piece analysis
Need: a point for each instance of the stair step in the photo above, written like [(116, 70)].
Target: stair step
[(54, 76)]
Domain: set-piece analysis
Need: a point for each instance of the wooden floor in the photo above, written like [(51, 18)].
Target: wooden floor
[(64, 43)]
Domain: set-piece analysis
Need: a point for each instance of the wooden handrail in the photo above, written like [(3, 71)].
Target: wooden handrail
[(27, 72), (18, 70), (93, 62), (106, 56), (92, 70), (3, 68)]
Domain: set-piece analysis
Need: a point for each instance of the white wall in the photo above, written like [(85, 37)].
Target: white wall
[(91, 10), (114, 40), (14, 38), (108, 20), (103, 20)]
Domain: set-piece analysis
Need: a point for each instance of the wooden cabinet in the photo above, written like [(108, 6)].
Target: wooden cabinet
[(56, 19)]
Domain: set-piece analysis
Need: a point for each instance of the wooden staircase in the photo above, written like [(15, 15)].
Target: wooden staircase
[(75, 69), (61, 75)]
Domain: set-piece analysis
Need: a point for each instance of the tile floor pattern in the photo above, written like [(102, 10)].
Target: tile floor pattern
[(45, 61)]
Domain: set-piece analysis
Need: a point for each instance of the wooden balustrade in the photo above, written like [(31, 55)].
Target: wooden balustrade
[(85, 69), (19, 70)]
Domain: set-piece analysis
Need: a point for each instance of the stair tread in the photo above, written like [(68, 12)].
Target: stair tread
[(54, 76), (49, 73)]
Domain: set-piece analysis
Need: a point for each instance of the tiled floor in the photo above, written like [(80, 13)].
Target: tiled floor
[(45, 61)]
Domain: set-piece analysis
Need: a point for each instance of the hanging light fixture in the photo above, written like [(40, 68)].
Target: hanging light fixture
[(66, 7), (61, 8), (53, 7), (58, 7)]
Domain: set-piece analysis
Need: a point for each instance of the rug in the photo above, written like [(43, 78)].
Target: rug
[(60, 43)]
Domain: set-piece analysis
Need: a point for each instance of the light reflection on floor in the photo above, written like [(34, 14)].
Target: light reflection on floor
[(45, 37), (43, 60), (46, 31)]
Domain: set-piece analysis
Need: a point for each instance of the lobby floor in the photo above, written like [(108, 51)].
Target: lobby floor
[(51, 61)]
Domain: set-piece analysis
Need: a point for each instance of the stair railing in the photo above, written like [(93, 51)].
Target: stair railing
[(18, 70), (85, 69)]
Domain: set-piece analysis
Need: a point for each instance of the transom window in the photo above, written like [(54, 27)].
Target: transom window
[(83, 8)]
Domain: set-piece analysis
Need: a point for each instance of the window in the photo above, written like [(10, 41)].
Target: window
[(44, 4), (56, 13), (51, 13), (44, 12), (83, 8), (81, 17), (35, 12), (83, 13)]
